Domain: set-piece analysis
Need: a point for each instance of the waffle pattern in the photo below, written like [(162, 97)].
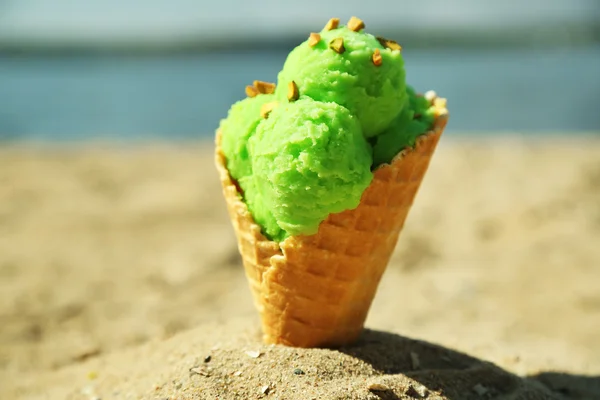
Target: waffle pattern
[(316, 291)]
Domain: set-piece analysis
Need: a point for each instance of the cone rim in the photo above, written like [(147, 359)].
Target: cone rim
[(439, 124)]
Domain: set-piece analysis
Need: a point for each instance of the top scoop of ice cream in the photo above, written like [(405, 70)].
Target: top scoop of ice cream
[(348, 76)]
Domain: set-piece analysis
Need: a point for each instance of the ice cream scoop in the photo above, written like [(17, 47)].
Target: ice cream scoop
[(339, 67), (240, 124), (413, 121), (309, 160)]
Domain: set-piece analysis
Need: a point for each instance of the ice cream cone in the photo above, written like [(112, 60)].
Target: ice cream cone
[(316, 291)]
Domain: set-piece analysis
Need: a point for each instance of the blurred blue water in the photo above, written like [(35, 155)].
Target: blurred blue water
[(179, 97)]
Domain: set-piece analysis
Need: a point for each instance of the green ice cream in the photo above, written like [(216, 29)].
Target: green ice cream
[(309, 159), (343, 108), (260, 210), (236, 129), (375, 94), (412, 122)]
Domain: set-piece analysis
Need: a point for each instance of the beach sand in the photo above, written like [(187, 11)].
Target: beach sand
[(119, 276)]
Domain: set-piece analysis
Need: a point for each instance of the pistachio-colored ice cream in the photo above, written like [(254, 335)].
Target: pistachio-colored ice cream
[(414, 120), (341, 107), (309, 159), (347, 76), (237, 128)]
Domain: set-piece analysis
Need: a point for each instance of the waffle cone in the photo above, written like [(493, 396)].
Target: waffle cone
[(316, 291)]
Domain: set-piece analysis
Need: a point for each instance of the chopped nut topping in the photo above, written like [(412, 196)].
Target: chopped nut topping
[(293, 93), (313, 39), (264, 87), (430, 95), (377, 59), (356, 24), (440, 102), (443, 113), (337, 45), (266, 108), (389, 44), (251, 91), (333, 23)]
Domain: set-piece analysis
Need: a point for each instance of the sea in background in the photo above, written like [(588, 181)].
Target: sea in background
[(133, 70), (184, 96)]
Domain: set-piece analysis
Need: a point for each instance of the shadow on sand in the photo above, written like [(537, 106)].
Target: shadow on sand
[(417, 369), (572, 387)]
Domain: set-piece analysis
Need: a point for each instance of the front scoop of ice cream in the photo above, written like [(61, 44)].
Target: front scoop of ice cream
[(340, 68), (309, 160), (237, 128)]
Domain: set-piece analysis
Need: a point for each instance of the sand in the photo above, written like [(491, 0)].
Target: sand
[(119, 276)]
